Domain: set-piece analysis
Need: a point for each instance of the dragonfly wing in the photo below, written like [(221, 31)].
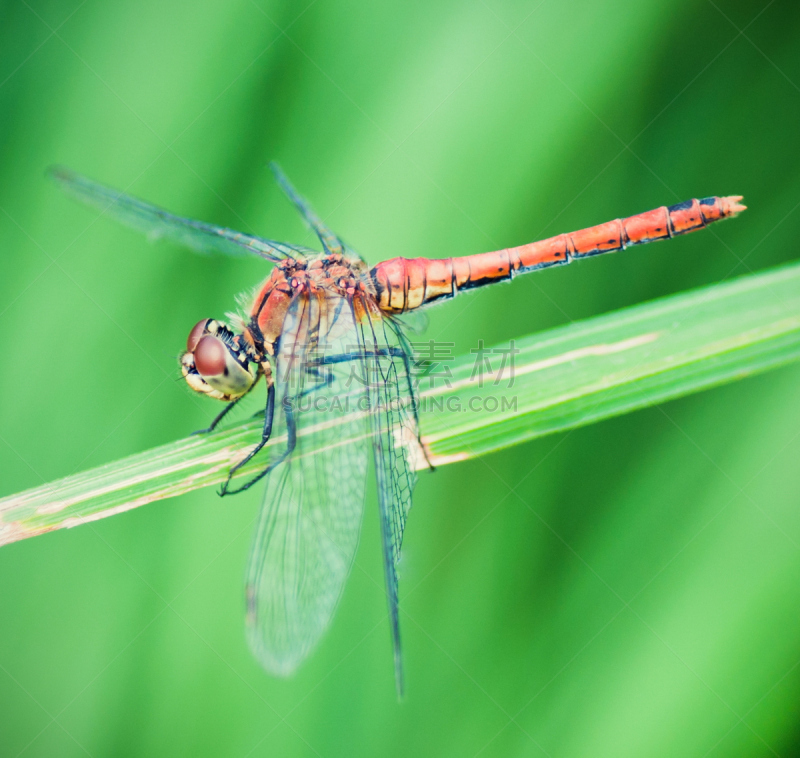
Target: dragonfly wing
[(329, 240), (416, 321), (157, 222), (395, 435), (310, 520), (302, 554)]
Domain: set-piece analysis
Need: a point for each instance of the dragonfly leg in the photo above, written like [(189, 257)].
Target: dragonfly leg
[(328, 360), (394, 352), (224, 412), (291, 442), (291, 426), (269, 415), (219, 417), (325, 381)]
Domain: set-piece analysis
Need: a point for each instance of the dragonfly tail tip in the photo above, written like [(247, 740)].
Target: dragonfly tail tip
[(733, 205)]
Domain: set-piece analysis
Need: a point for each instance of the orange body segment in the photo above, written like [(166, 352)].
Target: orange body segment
[(403, 284)]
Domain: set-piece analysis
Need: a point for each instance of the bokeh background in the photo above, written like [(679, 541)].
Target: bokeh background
[(627, 589)]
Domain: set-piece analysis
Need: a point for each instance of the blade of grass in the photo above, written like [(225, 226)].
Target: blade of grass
[(563, 378)]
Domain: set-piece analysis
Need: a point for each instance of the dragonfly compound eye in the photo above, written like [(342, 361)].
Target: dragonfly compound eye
[(209, 356), (198, 330), (219, 367)]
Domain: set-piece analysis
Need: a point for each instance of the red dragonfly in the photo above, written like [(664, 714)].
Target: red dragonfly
[(318, 316)]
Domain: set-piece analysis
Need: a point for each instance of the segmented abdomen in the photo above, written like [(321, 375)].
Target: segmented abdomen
[(403, 284)]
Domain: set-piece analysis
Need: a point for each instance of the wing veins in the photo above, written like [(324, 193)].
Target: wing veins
[(156, 221)]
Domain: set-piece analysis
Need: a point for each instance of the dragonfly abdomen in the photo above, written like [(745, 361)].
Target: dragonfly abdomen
[(403, 284)]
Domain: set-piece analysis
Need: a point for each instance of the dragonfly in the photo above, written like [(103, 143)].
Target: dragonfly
[(320, 319)]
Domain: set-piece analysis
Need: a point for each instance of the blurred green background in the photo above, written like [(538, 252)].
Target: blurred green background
[(627, 589)]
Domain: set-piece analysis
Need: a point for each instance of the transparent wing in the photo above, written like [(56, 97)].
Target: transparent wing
[(395, 435), (157, 223), (330, 242), (416, 321), (311, 515)]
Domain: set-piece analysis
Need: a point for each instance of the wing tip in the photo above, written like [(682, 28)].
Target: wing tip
[(399, 678), (59, 173), (282, 666)]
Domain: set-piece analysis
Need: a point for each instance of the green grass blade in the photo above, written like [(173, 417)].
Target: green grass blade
[(563, 378)]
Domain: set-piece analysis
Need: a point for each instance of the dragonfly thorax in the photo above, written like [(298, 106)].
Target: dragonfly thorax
[(217, 362), (331, 274)]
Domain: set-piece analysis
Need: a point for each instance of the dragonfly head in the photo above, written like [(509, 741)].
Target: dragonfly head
[(217, 361)]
